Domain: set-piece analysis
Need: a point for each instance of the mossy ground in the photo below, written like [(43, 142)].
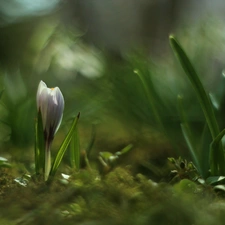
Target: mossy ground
[(118, 197), (136, 190)]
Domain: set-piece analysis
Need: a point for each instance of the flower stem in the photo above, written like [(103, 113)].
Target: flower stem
[(47, 161)]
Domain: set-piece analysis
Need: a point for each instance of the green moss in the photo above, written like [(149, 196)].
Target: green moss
[(118, 197)]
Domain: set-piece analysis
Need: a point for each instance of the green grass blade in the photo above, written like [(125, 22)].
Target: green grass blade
[(125, 150), (206, 105), (197, 85), (181, 111), (151, 100), (203, 154), (215, 145), (72, 153), (217, 140), (92, 140), (75, 150), (39, 145), (189, 140), (186, 130), (64, 146)]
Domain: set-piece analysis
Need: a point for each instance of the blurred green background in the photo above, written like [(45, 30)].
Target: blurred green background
[(90, 50)]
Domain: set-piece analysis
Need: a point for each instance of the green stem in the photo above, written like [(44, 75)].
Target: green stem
[(47, 161)]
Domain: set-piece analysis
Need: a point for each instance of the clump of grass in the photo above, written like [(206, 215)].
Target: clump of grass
[(214, 154)]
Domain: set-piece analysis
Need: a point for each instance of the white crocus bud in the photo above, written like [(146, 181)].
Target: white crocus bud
[(50, 103)]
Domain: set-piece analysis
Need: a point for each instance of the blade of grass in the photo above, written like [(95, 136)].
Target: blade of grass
[(215, 144), (64, 146), (92, 140), (39, 145), (124, 150), (151, 100), (75, 150), (204, 155), (186, 130), (189, 140), (218, 165)]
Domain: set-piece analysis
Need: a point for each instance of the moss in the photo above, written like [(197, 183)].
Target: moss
[(118, 197)]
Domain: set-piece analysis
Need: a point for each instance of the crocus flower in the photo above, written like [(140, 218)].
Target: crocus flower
[(50, 103)]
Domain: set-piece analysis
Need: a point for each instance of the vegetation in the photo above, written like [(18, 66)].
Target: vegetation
[(146, 150)]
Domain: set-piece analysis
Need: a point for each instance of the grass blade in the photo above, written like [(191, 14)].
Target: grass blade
[(197, 85), (75, 150), (189, 140), (206, 105), (92, 140), (125, 150), (39, 145), (64, 146), (203, 154), (152, 96), (151, 100), (186, 130), (215, 145)]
